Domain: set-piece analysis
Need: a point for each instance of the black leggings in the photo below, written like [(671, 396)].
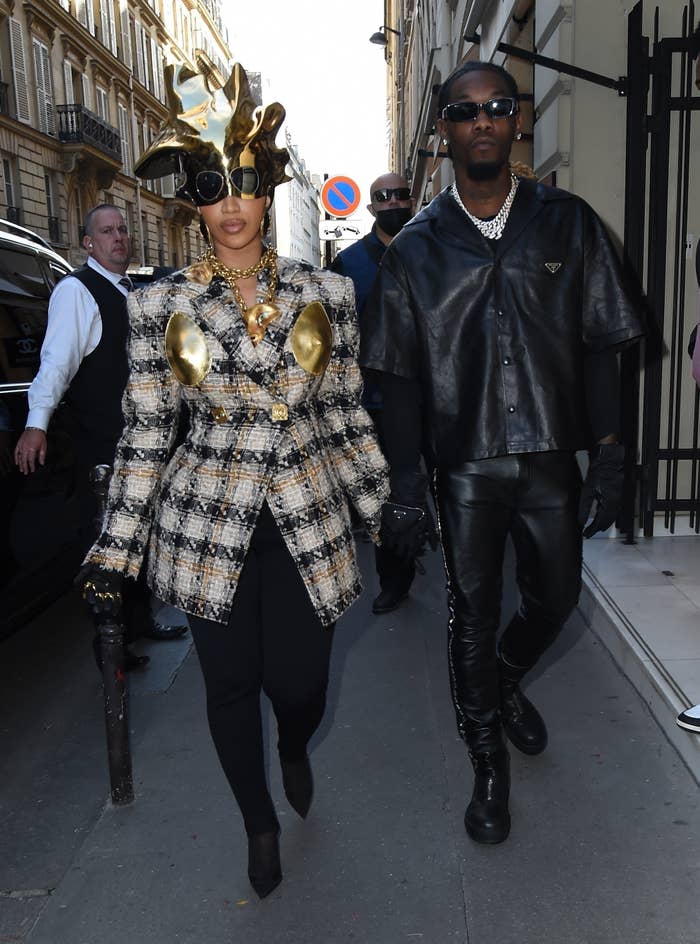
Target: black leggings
[(274, 642)]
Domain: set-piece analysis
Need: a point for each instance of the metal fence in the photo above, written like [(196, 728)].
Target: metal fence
[(661, 405)]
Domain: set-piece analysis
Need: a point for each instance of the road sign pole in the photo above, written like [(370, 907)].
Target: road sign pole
[(327, 259)]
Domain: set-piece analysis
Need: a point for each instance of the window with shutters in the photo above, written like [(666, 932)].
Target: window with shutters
[(145, 141), (109, 29), (161, 73), (85, 90), (11, 193), (126, 140), (53, 222), (168, 16), (68, 82), (102, 103), (144, 233), (125, 29), (138, 42), (167, 185), (148, 72), (44, 87), (155, 67), (49, 195), (85, 14), (19, 71)]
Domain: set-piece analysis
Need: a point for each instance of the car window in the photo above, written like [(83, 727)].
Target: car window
[(21, 273), (53, 272)]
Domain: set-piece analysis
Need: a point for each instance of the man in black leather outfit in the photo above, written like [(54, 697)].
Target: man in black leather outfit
[(496, 319)]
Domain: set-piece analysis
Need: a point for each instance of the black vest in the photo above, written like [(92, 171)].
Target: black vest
[(93, 399)]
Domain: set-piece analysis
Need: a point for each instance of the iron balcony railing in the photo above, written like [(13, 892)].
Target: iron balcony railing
[(78, 125)]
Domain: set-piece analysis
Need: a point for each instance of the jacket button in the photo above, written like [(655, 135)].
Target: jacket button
[(511, 409), (506, 361)]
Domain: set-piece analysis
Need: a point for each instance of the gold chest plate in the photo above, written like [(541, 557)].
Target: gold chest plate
[(187, 350), (312, 339)]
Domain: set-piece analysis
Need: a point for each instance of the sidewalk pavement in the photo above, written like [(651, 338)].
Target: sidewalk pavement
[(604, 847), (643, 601)]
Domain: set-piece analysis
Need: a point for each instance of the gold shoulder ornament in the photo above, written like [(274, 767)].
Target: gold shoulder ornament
[(312, 339), (187, 351)]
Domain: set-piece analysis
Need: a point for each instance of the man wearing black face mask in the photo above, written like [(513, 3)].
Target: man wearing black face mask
[(392, 207)]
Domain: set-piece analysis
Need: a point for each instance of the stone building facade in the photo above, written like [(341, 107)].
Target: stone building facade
[(297, 211), (81, 96)]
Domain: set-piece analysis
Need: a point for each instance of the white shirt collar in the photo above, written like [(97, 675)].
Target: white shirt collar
[(112, 277)]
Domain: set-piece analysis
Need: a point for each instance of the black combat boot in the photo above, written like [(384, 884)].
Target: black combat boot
[(487, 818), (522, 722)]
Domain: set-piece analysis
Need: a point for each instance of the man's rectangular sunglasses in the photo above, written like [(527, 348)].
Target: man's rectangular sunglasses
[(470, 111), (386, 193)]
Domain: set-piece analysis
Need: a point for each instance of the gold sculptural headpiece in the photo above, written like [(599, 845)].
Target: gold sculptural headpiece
[(217, 140)]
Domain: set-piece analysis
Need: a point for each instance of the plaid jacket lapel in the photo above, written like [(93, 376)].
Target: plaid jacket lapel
[(291, 282), (217, 312)]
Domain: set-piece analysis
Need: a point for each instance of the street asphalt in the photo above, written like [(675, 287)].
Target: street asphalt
[(605, 845)]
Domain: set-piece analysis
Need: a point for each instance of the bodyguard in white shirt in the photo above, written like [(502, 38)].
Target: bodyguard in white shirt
[(75, 329)]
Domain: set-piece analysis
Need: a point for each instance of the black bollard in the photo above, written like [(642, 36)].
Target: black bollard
[(116, 711), (113, 654)]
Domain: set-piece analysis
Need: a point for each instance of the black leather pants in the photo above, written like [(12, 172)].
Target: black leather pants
[(534, 498)]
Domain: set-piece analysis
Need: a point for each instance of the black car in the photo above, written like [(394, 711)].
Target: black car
[(34, 511), (39, 549)]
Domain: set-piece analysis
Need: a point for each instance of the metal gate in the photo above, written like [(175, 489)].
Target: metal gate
[(661, 403)]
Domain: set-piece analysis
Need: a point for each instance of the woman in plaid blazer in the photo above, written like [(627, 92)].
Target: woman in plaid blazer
[(247, 524)]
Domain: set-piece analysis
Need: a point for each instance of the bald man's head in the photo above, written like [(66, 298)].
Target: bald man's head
[(391, 205)]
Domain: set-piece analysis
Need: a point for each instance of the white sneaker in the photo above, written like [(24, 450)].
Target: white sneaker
[(690, 719)]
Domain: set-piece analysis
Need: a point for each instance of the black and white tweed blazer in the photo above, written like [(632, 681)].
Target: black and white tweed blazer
[(195, 511)]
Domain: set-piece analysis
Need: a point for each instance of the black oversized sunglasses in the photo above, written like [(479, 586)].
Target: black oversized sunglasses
[(211, 184), (386, 193), (470, 111)]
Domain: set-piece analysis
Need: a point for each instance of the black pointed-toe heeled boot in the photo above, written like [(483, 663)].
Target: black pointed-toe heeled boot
[(264, 868), (298, 783), (522, 722), (487, 818)]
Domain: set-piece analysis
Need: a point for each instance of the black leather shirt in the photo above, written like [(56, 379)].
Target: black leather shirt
[(496, 332)]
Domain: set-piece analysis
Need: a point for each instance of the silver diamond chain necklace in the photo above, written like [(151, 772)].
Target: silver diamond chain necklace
[(491, 229)]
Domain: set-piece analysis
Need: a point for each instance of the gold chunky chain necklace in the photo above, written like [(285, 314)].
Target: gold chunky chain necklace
[(257, 317)]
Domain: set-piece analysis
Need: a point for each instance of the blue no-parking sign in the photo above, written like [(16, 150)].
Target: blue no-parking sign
[(340, 196)]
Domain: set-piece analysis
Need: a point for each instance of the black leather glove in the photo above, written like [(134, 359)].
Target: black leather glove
[(603, 485), (101, 590), (406, 529)]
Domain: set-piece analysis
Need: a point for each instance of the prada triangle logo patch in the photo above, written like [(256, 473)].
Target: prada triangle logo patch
[(552, 266)]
